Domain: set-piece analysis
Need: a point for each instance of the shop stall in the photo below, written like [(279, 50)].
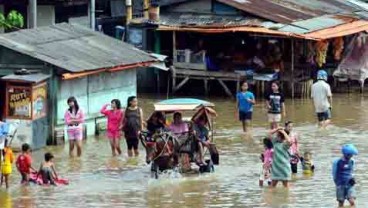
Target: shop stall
[(26, 108)]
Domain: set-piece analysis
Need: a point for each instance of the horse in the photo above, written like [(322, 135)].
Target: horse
[(163, 151), (159, 152)]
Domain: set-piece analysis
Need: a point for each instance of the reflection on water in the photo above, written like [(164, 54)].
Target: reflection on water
[(97, 180)]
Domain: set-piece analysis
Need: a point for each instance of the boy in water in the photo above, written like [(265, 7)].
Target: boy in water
[(24, 163), (322, 97), (307, 163), (47, 170), (244, 104), (342, 172)]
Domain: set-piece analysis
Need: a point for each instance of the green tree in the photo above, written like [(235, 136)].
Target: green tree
[(14, 20)]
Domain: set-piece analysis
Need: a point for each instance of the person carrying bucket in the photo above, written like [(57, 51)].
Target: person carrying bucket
[(322, 97), (342, 173)]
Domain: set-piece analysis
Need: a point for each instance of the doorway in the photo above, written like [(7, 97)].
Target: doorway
[(2, 99)]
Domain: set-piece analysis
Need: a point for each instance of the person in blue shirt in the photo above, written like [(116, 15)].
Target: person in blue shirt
[(342, 173), (4, 130), (244, 104)]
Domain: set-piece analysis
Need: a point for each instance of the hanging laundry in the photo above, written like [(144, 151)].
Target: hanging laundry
[(338, 45), (321, 49)]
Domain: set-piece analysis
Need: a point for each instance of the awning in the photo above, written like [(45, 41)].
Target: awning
[(348, 28), (30, 78), (67, 76), (230, 29), (339, 31), (161, 61)]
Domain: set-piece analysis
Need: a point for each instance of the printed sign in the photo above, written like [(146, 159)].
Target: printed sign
[(39, 96), (19, 102)]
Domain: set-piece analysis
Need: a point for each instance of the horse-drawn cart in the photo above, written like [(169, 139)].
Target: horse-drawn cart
[(168, 150)]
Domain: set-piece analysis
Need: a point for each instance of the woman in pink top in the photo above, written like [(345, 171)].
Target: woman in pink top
[(74, 119), (115, 118), (294, 148), (178, 126)]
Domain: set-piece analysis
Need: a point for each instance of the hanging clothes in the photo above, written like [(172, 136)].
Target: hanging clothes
[(338, 45), (321, 49)]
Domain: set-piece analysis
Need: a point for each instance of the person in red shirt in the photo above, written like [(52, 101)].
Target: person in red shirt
[(24, 163)]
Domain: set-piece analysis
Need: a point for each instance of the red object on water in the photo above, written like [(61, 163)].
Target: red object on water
[(58, 181)]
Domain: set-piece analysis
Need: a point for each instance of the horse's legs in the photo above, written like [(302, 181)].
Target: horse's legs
[(154, 170)]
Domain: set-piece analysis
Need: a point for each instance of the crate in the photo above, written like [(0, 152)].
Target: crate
[(185, 59), (59, 136)]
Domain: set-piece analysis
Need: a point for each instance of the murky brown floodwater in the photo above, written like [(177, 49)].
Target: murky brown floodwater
[(97, 180)]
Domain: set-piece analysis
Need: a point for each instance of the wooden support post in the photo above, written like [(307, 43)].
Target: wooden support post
[(174, 46), (292, 70), (129, 11), (238, 85), (173, 75), (228, 92), (145, 9), (205, 87), (181, 84)]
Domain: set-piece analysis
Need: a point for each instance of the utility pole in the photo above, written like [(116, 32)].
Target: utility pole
[(129, 11), (33, 13), (92, 8)]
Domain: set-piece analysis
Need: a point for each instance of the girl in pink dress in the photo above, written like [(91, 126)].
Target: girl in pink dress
[(294, 148), (115, 118), (74, 119), (266, 158)]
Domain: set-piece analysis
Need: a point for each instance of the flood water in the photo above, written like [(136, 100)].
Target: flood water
[(98, 180)]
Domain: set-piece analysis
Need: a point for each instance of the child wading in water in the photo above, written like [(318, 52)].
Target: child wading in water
[(47, 170), (244, 104), (307, 163), (266, 158), (24, 163), (294, 148), (7, 159), (275, 106), (342, 173), (115, 118)]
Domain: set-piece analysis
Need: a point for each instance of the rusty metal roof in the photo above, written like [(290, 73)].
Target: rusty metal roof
[(73, 48), (288, 11), (206, 20)]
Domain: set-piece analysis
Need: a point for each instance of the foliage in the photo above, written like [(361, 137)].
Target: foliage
[(14, 19)]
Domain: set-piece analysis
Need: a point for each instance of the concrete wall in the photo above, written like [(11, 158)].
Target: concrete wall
[(94, 91), (45, 15)]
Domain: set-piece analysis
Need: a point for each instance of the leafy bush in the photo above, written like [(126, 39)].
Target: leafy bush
[(14, 19)]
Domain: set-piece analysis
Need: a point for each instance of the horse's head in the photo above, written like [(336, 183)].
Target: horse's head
[(148, 145), (156, 147)]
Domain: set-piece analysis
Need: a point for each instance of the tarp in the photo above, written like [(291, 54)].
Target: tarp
[(229, 29), (339, 31), (354, 65), (345, 29)]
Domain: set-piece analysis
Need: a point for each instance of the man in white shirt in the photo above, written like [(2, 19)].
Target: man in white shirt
[(322, 97)]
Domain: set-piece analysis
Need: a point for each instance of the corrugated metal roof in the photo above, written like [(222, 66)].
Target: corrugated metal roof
[(73, 48), (318, 23), (206, 20), (33, 78), (287, 11)]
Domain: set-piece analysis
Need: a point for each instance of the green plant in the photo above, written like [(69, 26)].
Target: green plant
[(14, 19)]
